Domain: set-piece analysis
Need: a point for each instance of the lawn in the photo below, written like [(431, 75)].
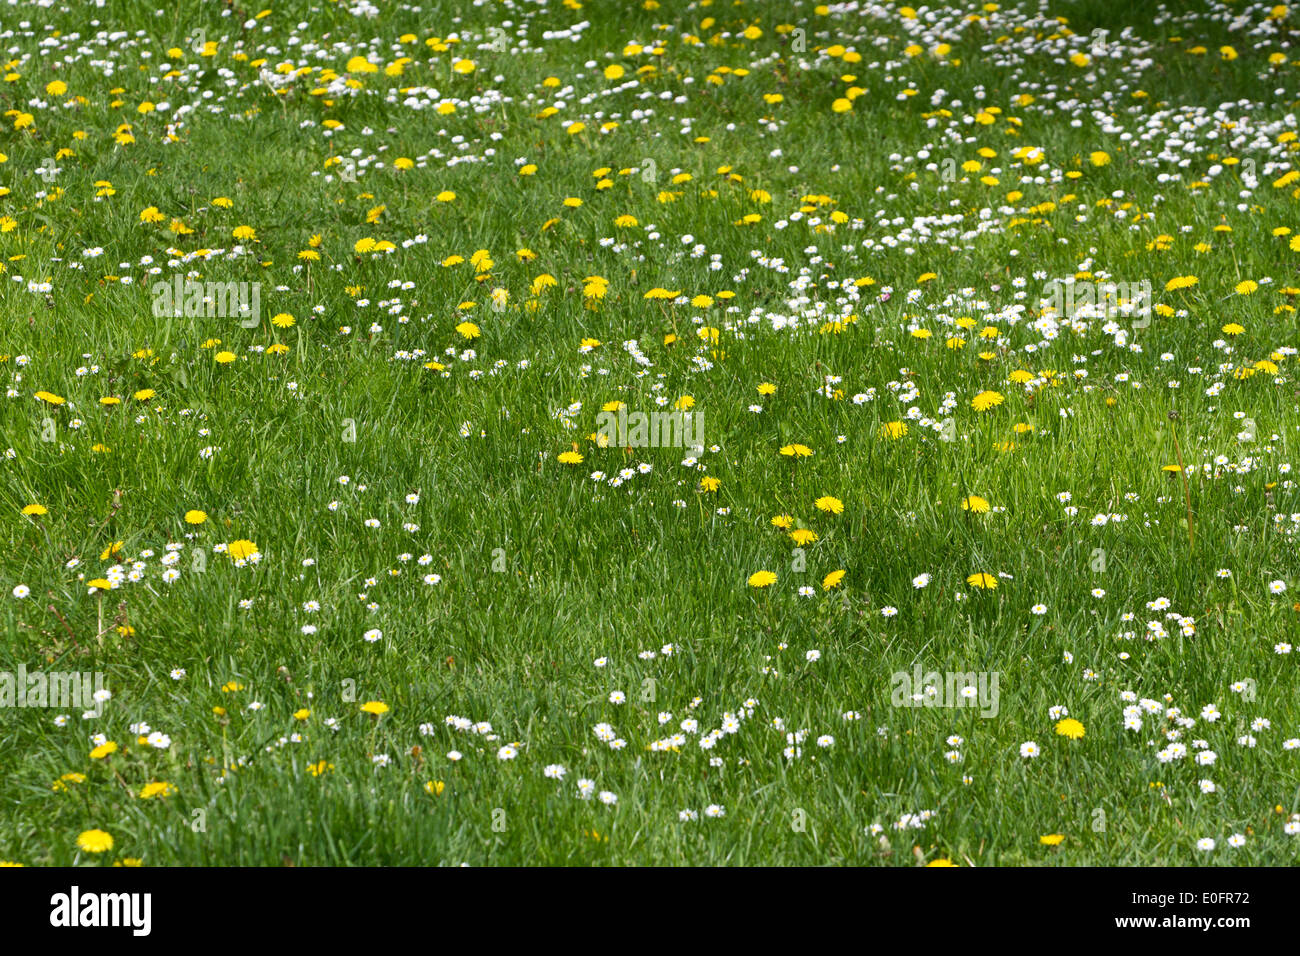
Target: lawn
[(655, 433)]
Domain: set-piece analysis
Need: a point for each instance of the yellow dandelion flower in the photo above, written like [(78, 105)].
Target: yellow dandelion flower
[(94, 841), (1069, 727), (103, 750), (893, 430), (242, 549)]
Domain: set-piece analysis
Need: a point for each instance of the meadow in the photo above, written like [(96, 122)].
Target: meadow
[(649, 433)]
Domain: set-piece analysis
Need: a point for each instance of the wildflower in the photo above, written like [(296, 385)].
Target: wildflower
[(95, 841), (1070, 728), (893, 430), (242, 550)]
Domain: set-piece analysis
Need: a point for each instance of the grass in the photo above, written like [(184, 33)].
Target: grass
[(555, 590)]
